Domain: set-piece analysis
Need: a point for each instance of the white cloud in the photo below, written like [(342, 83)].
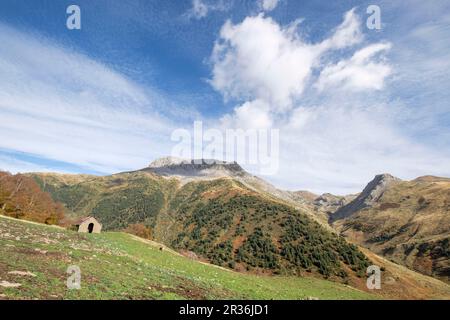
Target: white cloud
[(251, 115), (200, 8), (259, 59), (360, 72), (331, 141), (14, 166), (60, 105), (268, 66), (268, 5), (348, 33), (340, 145)]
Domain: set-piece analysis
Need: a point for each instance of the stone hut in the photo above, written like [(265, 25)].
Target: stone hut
[(88, 225)]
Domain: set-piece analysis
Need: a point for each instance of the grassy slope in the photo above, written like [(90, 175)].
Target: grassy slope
[(120, 266)]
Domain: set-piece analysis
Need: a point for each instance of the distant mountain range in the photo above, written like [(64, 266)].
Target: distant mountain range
[(220, 213)]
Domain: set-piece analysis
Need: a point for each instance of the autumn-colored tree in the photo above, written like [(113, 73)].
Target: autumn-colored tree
[(22, 198), (139, 230)]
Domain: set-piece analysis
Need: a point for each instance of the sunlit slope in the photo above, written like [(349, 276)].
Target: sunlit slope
[(221, 220), (34, 258), (408, 222)]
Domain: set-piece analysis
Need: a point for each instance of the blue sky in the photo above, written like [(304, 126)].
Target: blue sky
[(350, 102)]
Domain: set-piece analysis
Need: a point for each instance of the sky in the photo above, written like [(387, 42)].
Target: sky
[(349, 101)]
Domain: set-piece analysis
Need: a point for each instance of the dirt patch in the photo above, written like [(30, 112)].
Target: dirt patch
[(22, 273), (237, 242), (43, 254), (189, 254), (388, 205), (26, 251)]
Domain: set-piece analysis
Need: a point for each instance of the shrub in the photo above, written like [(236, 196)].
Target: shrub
[(140, 230)]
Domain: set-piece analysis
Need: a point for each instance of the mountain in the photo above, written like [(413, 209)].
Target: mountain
[(405, 221), (215, 210), (220, 213), (367, 198), (209, 169)]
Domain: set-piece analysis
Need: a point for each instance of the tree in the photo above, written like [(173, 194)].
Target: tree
[(22, 198)]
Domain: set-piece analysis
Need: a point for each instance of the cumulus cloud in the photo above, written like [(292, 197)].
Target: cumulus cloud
[(360, 72), (268, 5), (258, 58), (263, 63), (329, 141), (250, 115)]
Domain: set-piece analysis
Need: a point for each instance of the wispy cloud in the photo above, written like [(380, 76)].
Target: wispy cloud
[(61, 105), (201, 8), (360, 72), (268, 5), (349, 102)]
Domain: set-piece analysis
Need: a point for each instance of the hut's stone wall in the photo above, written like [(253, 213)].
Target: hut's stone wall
[(84, 226)]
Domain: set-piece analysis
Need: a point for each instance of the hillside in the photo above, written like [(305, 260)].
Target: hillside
[(223, 215), (220, 220), (34, 259), (406, 221)]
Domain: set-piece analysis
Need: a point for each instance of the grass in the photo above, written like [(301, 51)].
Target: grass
[(119, 266)]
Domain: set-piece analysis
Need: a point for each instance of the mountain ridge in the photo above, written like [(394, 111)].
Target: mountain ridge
[(221, 219)]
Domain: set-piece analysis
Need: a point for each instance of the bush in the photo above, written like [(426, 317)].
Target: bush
[(140, 230)]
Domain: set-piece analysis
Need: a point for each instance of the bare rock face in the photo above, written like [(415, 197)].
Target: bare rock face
[(194, 169), (167, 161), (367, 198), (209, 169)]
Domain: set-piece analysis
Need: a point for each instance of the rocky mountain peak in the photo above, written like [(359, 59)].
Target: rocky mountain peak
[(375, 188), (368, 197), (194, 168)]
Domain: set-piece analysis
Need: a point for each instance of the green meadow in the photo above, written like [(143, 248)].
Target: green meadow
[(34, 260)]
